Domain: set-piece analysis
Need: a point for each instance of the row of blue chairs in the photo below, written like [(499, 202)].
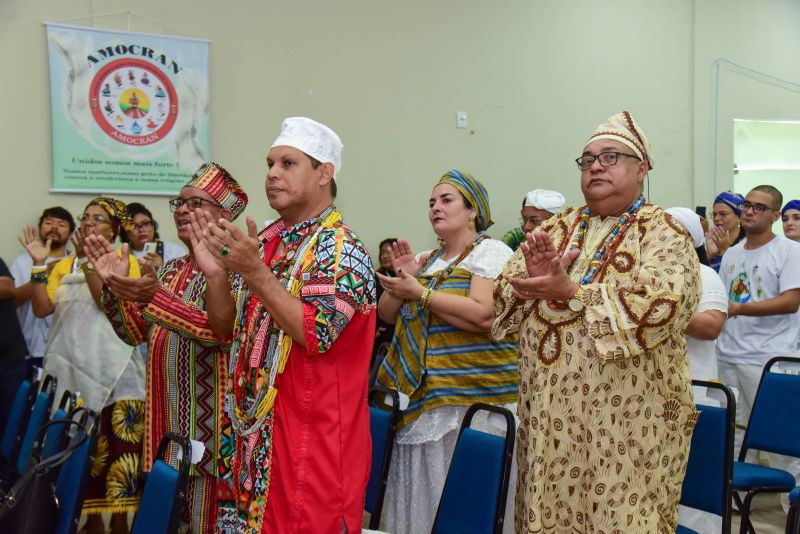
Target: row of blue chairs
[(36, 438), (481, 462), (476, 488)]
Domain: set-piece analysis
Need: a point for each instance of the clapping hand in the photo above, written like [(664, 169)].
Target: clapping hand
[(38, 251), (403, 260), (547, 271), (105, 258)]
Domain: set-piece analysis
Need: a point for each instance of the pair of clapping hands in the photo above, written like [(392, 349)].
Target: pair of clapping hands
[(218, 248), (547, 271)]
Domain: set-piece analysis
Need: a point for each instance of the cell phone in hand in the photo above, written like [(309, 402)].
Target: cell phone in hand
[(149, 247), (700, 210)]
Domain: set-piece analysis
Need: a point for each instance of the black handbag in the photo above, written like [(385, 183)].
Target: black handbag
[(31, 506)]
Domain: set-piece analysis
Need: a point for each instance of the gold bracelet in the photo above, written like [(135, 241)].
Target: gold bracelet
[(427, 298)]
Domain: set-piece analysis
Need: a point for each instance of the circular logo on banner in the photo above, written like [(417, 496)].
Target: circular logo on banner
[(133, 102)]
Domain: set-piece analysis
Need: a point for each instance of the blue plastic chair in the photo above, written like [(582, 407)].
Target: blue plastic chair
[(383, 418), (709, 470), (71, 481), (18, 420), (41, 409), (164, 491), (773, 427), (475, 491), (56, 437)]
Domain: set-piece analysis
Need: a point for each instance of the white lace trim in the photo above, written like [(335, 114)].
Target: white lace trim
[(486, 260)]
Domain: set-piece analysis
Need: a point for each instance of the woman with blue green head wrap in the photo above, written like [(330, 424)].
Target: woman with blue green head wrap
[(442, 358), (725, 232)]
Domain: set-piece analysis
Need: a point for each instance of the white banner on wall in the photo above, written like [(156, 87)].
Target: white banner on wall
[(130, 111)]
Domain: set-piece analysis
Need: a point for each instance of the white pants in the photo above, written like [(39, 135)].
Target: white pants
[(745, 379)]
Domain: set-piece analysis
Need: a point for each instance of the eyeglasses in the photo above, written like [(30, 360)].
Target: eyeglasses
[(97, 219), (146, 225), (191, 203), (757, 208), (606, 159)]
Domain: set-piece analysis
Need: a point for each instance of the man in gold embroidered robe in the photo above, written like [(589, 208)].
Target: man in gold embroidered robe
[(601, 296)]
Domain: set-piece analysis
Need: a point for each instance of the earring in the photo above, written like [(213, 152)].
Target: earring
[(472, 224)]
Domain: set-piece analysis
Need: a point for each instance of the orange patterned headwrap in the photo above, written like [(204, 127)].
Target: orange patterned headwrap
[(217, 182)]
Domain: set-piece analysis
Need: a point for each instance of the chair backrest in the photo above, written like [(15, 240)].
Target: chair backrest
[(39, 413), (774, 425), (384, 413), (709, 471), (56, 437), (475, 491), (71, 481), (18, 417), (164, 491)]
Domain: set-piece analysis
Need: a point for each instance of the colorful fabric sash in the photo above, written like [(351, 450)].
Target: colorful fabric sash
[(437, 364)]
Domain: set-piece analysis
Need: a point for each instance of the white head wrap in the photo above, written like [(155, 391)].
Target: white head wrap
[(691, 221), (621, 127), (544, 199), (313, 138)]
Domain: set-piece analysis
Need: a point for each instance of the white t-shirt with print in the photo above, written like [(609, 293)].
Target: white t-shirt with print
[(755, 276), (702, 354)]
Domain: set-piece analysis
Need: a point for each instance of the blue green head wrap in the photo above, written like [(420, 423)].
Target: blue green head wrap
[(474, 191)]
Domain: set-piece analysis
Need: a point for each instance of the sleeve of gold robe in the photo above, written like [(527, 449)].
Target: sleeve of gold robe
[(625, 320), (508, 311)]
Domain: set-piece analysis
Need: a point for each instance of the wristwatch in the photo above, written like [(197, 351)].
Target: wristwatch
[(575, 303)]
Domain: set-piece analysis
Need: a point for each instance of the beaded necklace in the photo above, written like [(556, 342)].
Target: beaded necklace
[(405, 309), (250, 417), (610, 243)]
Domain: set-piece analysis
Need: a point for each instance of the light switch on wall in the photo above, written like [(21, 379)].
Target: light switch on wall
[(461, 119)]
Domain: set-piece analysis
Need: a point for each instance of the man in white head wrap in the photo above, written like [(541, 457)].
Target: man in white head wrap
[(537, 206), (601, 296), (301, 347), (703, 328)]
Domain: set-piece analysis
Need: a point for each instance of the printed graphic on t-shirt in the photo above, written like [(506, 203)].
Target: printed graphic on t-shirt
[(740, 289)]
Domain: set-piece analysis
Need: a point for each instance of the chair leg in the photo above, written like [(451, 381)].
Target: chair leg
[(745, 526)]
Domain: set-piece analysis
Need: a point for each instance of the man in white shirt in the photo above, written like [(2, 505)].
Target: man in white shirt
[(56, 225), (762, 276)]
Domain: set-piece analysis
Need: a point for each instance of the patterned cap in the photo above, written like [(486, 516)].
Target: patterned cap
[(473, 190), (621, 127), (733, 200), (217, 182), (117, 212)]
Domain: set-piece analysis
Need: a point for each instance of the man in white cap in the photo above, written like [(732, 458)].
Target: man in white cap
[(601, 296), (537, 206), (302, 340)]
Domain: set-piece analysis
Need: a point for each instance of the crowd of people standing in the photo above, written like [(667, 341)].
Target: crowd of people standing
[(260, 345)]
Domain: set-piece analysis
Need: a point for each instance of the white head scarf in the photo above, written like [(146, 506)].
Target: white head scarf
[(544, 199), (313, 138), (691, 221)]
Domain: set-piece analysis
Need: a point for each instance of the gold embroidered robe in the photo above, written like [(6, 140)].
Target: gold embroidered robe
[(606, 408)]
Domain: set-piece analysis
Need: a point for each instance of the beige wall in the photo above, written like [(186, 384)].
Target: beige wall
[(535, 78)]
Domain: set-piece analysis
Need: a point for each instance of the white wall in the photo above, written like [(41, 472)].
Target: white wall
[(535, 78)]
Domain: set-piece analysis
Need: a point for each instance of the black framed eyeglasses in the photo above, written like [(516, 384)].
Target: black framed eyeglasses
[(757, 207), (192, 203), (606, 159), (146, 225)]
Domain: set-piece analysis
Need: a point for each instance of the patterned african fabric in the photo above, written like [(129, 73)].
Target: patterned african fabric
[(114, 483), (305, 467), (186, 368), (437, 364), (514, 238), (606, 408)]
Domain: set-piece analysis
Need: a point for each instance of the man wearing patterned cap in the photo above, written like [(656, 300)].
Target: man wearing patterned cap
[(186, 362), (537, 206), (601, 296), (302, 340)]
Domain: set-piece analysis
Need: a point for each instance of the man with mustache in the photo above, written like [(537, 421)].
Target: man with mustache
[(56, 225)]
